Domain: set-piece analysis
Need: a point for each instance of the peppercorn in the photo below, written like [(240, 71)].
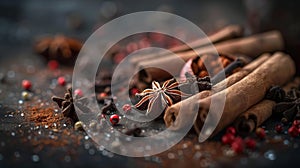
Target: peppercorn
[(296, 123), (78, 126), (228, 138), (119, 57), (260, 132), (250, 143), (78, 92), (231, 130), (134, 91), (293, 131), (114, 119), (238, 145), (103, 95), (53, 64), (25, 95), (61, 81), (279, 128), (26, 84), (126, 108)]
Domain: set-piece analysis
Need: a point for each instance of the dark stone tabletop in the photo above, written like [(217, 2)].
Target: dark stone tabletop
[(22, 22)]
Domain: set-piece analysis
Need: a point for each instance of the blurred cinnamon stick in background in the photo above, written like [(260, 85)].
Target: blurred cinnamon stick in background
[(251, 46), (228, 32)]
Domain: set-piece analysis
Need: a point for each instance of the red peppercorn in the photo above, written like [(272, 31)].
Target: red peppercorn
[(126, 108), (53, 64), (114, 119), (228, 138), (144, 43), (61, 81), (250, 143), (279, 128), (103, 95), (119, 57), (26, 84), (260, 132), (296, 123), (231, 130), (131, 47), (134, 91), (293, 131), (78, 92), (238, 145)]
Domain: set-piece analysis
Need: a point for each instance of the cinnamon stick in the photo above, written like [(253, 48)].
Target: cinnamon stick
[(250, 46), (241, 73), (171, 115), (228, 32), (240, 96), (257, 114)]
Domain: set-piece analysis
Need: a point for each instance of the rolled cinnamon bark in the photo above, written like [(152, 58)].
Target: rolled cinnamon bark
[(250, 46), (228, 32), (257, 114), (171, 115), (254, 116), (240, 96)]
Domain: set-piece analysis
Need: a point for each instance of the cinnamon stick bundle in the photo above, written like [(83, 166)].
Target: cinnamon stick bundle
[(228, 32), (240, 96), (250, 46), (257, 114), (232, 79)]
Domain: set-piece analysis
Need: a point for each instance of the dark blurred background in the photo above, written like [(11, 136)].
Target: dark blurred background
[(22, 21)]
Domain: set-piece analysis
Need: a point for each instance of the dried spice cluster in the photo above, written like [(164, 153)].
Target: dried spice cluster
[(67, 104), (199, 68), (59, 48), (288, 107)]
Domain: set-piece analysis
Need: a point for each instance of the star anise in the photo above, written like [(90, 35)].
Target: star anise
[(60, 48), (67, 104), (289, 108), (162, 96), (292, 94), (276, 93)]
